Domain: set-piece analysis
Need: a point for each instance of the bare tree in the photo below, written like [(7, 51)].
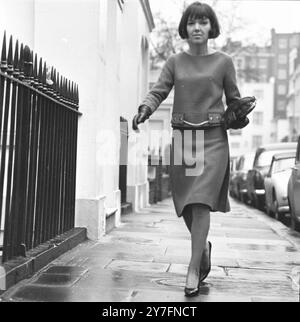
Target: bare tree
[(166, 41)]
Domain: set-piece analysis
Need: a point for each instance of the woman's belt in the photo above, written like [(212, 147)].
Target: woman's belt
[(196, 120)]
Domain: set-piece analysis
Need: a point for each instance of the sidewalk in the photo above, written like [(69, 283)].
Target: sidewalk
[(254, 258)]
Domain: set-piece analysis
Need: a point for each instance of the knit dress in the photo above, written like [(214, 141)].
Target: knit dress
[(200, 83)]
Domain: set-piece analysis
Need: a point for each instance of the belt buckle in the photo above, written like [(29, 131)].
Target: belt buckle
[(214, 118)]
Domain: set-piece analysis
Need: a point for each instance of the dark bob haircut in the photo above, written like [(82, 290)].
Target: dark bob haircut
[(198, 10)]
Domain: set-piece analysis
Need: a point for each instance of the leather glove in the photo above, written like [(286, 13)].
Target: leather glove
[(238, 124), (244, 106), (235, 117), (143, 115)]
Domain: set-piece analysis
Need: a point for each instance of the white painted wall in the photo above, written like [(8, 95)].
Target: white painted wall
[(95, 44), (17, 18), (134, 70)]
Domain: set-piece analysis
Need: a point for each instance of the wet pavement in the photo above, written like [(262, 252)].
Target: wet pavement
[(254, 258)]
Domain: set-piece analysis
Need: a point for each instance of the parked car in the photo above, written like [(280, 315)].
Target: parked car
[(294, 191), (261, 166), (276, 184), (239, 179)]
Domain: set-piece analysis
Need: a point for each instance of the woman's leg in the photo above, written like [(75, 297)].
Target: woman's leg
[(199, 232), (188, 217)]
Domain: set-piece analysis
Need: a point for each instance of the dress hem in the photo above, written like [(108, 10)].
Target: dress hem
[(205, 201)]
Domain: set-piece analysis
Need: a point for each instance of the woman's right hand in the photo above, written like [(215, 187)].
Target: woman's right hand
[(143, 115)]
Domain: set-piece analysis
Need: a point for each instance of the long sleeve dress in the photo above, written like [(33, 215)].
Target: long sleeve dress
[(200, 82)]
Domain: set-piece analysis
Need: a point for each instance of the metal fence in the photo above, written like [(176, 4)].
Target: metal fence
[(38, 127)]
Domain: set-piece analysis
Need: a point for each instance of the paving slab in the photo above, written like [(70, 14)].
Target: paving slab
[(254, 259)]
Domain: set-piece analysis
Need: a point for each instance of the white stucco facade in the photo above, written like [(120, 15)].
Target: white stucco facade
[(293, 107), (261, 128), (102, 45)]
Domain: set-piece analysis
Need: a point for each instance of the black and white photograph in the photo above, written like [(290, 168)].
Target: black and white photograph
[(149, 153)]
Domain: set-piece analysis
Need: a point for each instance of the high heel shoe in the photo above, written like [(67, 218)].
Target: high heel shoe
[(190, 292), (204, 273)]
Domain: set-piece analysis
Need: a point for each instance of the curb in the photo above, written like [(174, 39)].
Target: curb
[(22, 268)]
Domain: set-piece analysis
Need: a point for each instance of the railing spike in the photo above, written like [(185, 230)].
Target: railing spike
[(16, 60), (27, 63), (77, 95), (68, 89), (64, 87), (40, 73), (35, 71), (35, 67), (10, 57), (72, 92), (53, 77), (44, 77), (57, 83), (61, 86), (3, 64), (21, 62)]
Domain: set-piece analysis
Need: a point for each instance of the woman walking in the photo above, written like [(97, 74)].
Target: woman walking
[(200, 75)]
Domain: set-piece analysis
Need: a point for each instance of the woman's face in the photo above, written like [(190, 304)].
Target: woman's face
[(198, 30)]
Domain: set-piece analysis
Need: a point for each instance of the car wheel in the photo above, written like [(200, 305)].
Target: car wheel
[(254, 201), (259, 202), (243, 198), (268, 211), (277, 214), (295, 225)]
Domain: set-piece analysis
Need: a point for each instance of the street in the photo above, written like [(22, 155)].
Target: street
[(255, 259)]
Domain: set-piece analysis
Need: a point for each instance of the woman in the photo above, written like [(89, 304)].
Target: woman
[(200, 75)]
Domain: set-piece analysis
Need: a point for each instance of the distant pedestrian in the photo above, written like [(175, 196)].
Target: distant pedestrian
[(200, 75)]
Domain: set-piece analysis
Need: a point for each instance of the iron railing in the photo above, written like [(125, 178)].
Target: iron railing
[(38, 127)]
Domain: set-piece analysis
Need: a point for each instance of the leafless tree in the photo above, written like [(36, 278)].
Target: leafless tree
[(166, 41)]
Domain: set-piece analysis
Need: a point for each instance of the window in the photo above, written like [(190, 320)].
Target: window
[(282, 59), (258, 118), (235, 132), (281, 90), (266, 157), (256, 141), (263, 63), (282, 43), (281, 105), (282, 74), (283, 164), (252, 63), (259, 94), (294, 42), (235, 145)]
